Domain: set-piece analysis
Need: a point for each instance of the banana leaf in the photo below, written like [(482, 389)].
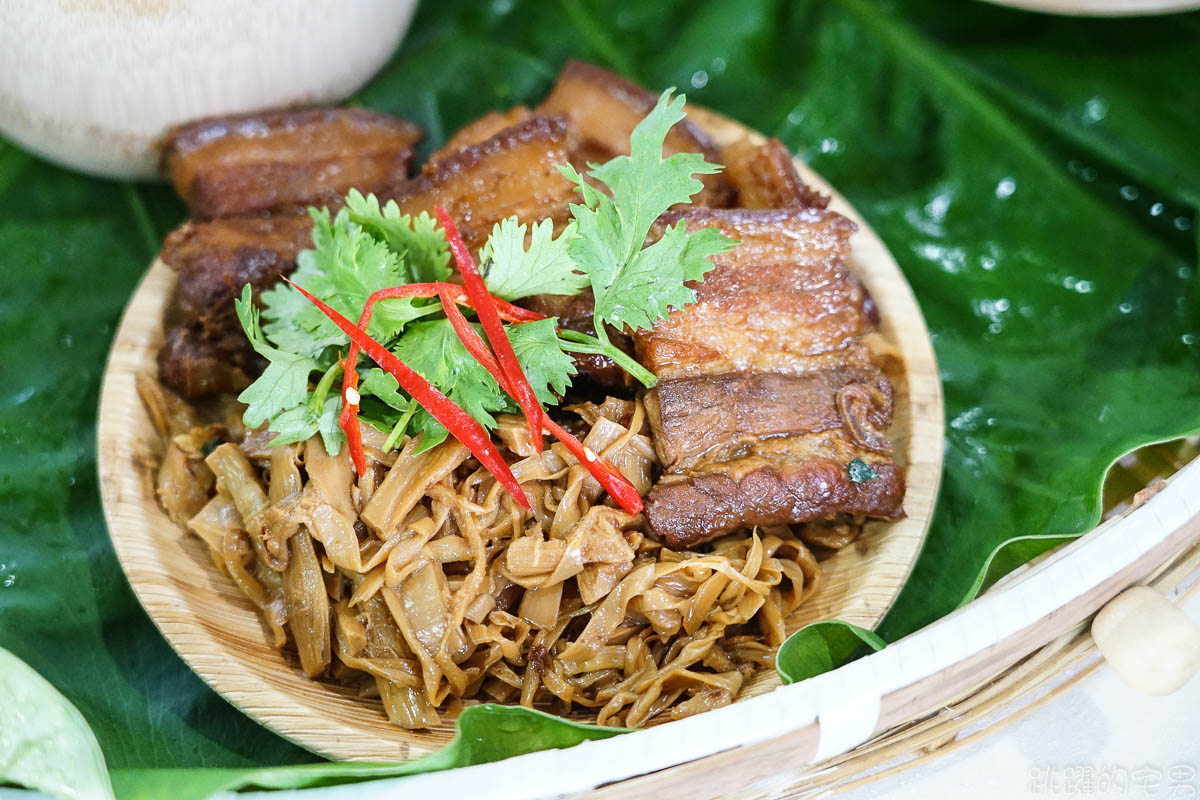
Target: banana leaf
[(1035, 177)]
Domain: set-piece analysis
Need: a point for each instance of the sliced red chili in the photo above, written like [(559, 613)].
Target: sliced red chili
[(348, 421), (493, 328), (507, 311), (458, 422), (617, 485), (471, 340)]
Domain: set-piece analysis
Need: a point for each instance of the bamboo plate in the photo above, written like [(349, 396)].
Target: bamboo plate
[(220, 636)]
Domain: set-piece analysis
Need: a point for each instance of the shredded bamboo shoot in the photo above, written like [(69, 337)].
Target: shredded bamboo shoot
[(421, 581)]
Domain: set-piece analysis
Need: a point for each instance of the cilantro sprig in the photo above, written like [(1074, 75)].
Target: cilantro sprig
[(366, 247), (636, 286), (513, 270)]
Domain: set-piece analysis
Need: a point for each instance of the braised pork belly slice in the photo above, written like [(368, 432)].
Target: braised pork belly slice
[(779, 481), (779, 302), (255, 163), (513, 173), (205, 351), (764, 176), (215, 259), (196, 364), (602, 109), (767, 391), (719, 417)]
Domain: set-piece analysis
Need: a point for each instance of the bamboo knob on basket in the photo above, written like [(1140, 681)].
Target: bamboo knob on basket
[(1148, 641)]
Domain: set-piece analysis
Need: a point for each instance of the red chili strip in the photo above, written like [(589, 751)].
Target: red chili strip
[(617, 485), (507, 311), (458, 422), (472, 341), (348, 422), (493, 328)]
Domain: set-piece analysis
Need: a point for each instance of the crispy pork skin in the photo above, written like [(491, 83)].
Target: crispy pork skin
[(478, 131), (602, 109), (765, 177), (285, 160)]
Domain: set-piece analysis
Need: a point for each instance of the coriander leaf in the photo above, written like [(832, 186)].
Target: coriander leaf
[(327, 425), (656, 278), (643, 183), (345, 265), (434, 351), (417, 240), (546, 366), (590, 194), (348, 264), (596, 248), (380, 384), (860, 471), (297, 424), (431, 431), (284, 383), (632, 285), (512, 270), (301, 423), (283, 305)]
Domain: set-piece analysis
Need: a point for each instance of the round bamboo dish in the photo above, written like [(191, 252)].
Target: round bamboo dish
[(220, 635)]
